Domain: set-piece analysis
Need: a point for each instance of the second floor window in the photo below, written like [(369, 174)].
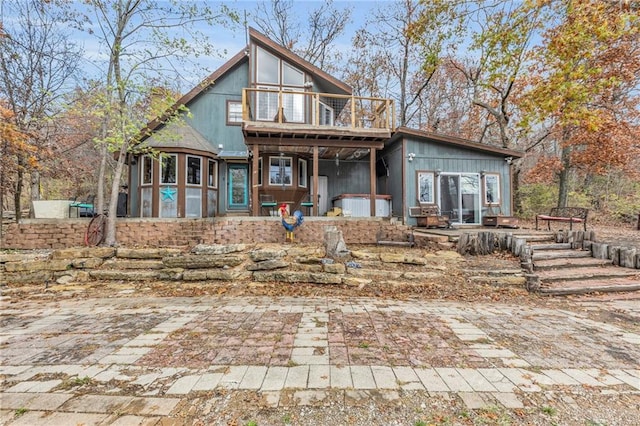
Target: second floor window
[(234, 112)]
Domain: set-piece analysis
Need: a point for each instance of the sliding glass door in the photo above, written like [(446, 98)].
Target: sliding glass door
[(459, 197)]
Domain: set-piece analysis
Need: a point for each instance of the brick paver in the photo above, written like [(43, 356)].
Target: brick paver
[(298, 351)]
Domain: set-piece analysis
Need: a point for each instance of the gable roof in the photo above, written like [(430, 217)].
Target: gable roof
[(237, 59), (455, 141), (307, 66)]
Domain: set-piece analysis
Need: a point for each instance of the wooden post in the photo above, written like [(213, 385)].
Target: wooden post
[(255, 203), (316, 198), (372, 179)]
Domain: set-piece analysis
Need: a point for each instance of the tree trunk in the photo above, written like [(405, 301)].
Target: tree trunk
[(35, 185), (101, 177), (563, 189), (18, 194), (110, 239), (515, 188)]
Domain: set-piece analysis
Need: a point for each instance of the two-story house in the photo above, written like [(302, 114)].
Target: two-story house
[(269, 128)]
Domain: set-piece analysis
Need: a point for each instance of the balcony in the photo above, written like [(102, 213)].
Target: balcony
[(290, 114)]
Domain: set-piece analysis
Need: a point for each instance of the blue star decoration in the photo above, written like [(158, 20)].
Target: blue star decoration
[(168, 193)]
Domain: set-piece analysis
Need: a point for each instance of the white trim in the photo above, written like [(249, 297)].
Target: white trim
[(301, 162), (215, 173)]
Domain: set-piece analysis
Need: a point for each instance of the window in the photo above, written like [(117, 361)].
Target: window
[(194, 170), (212, 180), (302, 173), (326, 115), (291, 75), (168, 170), (425, 187), (280, 171), (492, 189), (267, 103), (234, 113), (293, 104), (259, 171), (147, 170), (268, 67)]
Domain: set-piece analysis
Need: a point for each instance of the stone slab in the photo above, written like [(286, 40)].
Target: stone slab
[(431, 380), (362, 377)]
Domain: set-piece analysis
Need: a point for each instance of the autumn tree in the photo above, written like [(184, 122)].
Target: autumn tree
[(143, 39), (487, 43), (584, 87), (37, 62), (15, 151), (390, 60)]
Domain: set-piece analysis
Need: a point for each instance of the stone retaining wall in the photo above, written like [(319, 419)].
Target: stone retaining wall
[(64, 233), (294, 263)]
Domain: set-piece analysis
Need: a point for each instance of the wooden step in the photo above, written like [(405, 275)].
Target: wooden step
[(538, 238), (552, 246), (559, 254), (543, 265), (588, 273), (610, 285)]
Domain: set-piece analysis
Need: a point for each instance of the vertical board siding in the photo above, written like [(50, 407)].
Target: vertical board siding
[(431, 156), (209, 110)]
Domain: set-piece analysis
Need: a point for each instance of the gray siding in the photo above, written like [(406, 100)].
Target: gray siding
[(209, 110), (393, 159), (350, 177), (431, 156)]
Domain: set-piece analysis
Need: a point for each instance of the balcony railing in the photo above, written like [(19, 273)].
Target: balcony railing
[(317, 109)]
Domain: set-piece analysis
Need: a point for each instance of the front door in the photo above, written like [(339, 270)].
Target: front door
[(460, 197), (238, 186)]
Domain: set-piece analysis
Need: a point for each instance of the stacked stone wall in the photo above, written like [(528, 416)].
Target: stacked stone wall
[(64, 233)]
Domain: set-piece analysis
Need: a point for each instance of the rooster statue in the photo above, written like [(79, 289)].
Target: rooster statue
[(290, 222)]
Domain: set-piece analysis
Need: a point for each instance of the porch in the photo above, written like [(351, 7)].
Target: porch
[(286, 130)]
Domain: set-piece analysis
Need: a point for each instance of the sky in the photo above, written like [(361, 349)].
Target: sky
[(233, 40), (228, 41)]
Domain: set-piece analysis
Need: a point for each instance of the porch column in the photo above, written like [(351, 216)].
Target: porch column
[(314, 196), (372, 180), (255, 201)]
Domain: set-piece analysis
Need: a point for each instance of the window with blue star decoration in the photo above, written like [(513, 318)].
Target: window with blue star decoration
[(168, 193)]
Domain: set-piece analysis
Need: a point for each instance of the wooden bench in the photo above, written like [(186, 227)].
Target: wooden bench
[(568, 215), (428, 215)]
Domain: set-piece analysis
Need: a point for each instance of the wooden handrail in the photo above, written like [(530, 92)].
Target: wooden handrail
[(363, 111)]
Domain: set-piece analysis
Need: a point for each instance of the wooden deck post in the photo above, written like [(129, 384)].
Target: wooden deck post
[(372, 180)]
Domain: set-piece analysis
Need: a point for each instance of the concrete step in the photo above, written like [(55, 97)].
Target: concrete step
[(559, 254), (609, 285), (552, 246), (567, 262), (588, 273)]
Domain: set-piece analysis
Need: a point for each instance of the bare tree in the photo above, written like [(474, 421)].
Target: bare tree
[(37, 63), (313, 39)]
